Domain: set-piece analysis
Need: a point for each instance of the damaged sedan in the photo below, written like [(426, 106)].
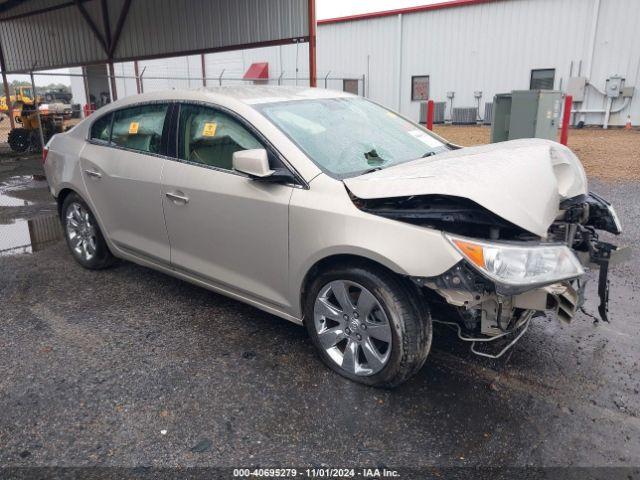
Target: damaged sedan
[(335, 213)]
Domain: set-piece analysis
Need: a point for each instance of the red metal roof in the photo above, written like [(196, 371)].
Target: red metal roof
[(420, 8), (257, 71)]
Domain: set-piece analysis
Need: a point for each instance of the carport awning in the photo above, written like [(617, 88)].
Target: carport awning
[(44, 34), (257, 71)]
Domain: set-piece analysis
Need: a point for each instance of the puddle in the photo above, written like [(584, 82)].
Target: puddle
[(22, 182), (16, 184), (28, 236), (9, 201), (19, 183)]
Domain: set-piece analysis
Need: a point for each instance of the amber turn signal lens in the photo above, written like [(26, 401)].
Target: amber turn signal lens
[(472, 251)]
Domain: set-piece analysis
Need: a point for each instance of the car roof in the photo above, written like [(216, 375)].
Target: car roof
[(240, 94)]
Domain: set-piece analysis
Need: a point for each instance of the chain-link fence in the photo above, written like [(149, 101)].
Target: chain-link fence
[(47, 103)]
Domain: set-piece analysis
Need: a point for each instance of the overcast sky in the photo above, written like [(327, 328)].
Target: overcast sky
[(341, 8)]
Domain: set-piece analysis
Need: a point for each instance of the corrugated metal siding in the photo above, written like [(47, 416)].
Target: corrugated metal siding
[(490, 47), (31, 6), (162, 27), (61, 37), (44, 40), (343, 49), (617, 51)]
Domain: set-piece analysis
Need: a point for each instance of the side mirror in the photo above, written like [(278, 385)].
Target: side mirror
[(254, 163)]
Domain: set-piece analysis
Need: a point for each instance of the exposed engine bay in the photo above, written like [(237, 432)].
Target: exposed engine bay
[(484, 310)]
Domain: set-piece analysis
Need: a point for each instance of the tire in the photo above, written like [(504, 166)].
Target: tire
[(83, 236), (19, 139), (404, 311)]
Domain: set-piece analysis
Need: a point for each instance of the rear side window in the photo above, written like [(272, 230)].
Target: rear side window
[(139, 128), (101, 128), (211, 137)]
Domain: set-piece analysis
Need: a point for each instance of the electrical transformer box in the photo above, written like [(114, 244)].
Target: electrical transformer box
[(526, 114)]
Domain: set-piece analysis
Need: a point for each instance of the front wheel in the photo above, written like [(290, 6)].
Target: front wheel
[(83, 235), (368, 325)]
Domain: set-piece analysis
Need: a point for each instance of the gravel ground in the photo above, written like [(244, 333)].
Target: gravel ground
[(610, 155), (128, 367)]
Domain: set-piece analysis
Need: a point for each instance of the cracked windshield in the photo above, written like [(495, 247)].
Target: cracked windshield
[(346, 137)]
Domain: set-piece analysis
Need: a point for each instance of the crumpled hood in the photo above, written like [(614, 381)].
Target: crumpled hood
[(522, 181)]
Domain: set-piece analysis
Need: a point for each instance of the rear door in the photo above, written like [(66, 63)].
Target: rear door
[(222, 225), (122, 169)]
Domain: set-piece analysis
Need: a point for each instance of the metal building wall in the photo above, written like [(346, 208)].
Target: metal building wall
[(34, 43), (206, 24), (617, 50), (345, 49), (153, 28), (491, 47)]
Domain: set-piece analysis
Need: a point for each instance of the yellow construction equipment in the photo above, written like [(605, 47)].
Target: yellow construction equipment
[(26, 136)]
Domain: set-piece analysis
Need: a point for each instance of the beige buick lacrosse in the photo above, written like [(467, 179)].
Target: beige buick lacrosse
[(333, 212)]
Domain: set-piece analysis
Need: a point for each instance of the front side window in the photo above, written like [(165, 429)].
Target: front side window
[(211, 137), (101, 128), (139, 128), (346, 137)]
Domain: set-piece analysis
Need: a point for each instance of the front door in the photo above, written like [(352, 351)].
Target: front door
[(223, 226), (122, 171)]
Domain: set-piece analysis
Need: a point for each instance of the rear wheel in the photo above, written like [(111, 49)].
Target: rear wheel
[(83, 235), (367, 325)]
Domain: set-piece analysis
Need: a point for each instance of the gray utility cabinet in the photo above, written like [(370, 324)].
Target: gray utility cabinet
[(526, 114)]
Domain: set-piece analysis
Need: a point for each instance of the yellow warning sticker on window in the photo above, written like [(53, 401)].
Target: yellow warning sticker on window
[(209, 129), (133, 128)]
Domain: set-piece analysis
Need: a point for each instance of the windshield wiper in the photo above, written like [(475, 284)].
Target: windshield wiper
[(430, 153), (371, 170)]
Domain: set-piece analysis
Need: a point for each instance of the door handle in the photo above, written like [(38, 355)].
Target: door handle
[(93, 173), (177, 198)]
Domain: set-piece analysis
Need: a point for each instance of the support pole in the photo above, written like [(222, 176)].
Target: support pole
[(312, 43), (87, 96), (204, 70), (142, 80), (112, 79), (36, 105), (137, 74), (430, 109), (566, 116), (607, 113), (7, 93)]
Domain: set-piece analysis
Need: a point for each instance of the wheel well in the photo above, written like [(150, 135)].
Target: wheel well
[(64, 193), (344, 259)]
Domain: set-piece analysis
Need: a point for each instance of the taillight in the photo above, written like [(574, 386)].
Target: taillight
[(45, 152)]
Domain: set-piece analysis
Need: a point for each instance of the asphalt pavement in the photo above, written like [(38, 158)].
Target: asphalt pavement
[(130, 367)]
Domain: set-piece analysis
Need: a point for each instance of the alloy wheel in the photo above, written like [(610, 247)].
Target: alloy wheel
[(352, 327), (81, 231)]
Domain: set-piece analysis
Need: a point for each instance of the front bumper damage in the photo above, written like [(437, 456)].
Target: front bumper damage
[(496, 316), (489, 316)]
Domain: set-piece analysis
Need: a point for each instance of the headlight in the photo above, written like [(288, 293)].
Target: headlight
[(517, 265), (616, 219)]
